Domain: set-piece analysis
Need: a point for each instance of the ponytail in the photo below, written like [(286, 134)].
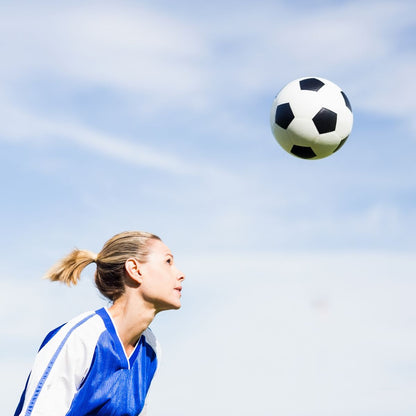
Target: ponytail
[(110, 277), (68, 270)]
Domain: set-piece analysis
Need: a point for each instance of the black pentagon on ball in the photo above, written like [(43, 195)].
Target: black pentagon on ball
[(284, 115), (325, 120), (311, 84), (304, 152), (347, 101)]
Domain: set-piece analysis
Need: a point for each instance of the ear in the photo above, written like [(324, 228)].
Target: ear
[(133, 269)]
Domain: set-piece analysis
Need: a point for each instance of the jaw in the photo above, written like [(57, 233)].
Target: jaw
[(174, 304)]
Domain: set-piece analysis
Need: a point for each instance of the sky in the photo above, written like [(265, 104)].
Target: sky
[(154, 116)]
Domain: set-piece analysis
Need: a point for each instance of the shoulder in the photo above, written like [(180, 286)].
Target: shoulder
[(86, 327), (62, 363), (70, 348)]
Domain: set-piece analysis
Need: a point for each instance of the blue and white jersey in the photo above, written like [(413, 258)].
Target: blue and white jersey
[(82, 369)]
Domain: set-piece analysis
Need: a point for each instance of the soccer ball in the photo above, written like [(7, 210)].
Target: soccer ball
[(311, 118)]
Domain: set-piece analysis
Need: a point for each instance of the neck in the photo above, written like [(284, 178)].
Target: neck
[(131, 318)]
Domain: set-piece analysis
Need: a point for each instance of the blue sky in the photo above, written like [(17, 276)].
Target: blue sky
[(144, 115)]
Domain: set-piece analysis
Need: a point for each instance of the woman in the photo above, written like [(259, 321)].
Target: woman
[(102, 363)]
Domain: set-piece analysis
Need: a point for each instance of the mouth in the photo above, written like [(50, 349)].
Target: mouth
[(179, 289)]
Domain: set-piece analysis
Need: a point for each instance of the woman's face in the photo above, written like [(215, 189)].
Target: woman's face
[(162, 281)]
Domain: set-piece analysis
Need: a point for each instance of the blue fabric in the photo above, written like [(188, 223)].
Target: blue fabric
[(22, 399)]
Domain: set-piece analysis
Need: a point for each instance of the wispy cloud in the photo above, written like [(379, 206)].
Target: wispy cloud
[(21, 126), (131, 49), (197, 81)]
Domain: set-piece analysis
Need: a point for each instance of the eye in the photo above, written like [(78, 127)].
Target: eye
[(169, 261)]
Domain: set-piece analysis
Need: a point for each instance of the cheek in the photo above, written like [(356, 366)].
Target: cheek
[(156, 282)]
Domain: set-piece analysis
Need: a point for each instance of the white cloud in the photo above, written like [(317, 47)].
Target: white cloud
[(127, 48), (106, 45), (159, 60)]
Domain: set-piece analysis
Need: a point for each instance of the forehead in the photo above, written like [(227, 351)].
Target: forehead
[(158, 247)]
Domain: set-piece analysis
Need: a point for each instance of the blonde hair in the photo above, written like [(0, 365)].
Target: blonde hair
[(110, 261)]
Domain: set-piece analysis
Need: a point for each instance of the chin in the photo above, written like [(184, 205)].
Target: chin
[(172, 306), (175, 306)]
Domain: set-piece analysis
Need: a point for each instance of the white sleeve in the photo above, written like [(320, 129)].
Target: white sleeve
[(59, 369)]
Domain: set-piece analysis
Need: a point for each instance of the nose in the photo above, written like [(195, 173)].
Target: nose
[(181, 276)]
